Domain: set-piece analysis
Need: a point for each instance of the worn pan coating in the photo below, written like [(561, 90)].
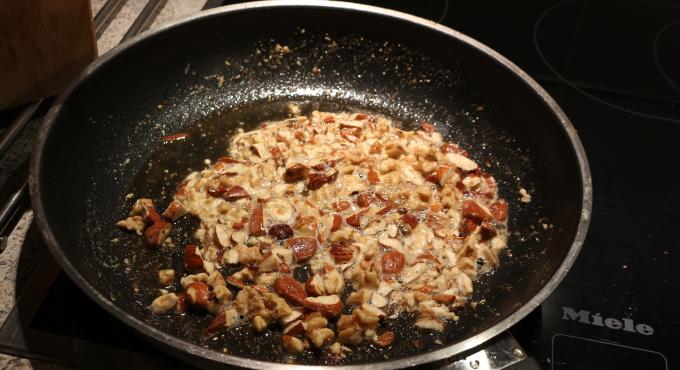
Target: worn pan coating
[(204, 75)]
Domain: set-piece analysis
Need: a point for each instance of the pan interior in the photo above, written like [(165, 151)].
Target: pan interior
[(215, 74)]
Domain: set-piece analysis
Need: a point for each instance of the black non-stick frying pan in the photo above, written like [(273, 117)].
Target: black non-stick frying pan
[(216, 71)]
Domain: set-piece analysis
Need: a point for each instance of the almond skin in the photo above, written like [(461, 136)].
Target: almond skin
[(364, 200), (317, 180), (193, 263), (372, 177), (392, 262), (315, 285), (324, 165), (337, 223), (231, 193), (466, 227), (218, 323), (290, 289), (157, 233), (341, 253), (256, 225), (385, 339), (473, 211), (329, 305), (355, 219), (281, 232), (198, 295), (410, 220), (487, 231), (296, 172), (499, 210), (303, 247), (444, 298)]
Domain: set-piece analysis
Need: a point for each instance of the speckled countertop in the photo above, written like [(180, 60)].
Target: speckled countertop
[(13, 255)]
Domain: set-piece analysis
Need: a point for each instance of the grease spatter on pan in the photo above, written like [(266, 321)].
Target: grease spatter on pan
[(331, 225)]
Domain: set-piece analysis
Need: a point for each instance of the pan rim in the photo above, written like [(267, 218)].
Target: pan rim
[(196, 350)]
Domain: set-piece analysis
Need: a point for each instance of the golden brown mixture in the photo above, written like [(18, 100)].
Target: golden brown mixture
[(387, 220)]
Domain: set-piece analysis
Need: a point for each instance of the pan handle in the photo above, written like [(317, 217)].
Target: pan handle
[(10, 213)]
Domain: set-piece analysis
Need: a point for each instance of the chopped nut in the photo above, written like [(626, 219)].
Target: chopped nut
[(292, 345), (321, 337), (164, 303), (132, 223), (166, 276)]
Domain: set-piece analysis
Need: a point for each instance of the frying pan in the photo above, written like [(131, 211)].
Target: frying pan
[(219, 70)]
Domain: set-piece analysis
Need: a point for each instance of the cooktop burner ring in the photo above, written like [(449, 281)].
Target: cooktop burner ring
[(572, 85), (655, 53)]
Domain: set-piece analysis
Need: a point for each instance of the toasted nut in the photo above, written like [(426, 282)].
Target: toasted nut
[(157, 233), (292, 345), (329, 305), (256, 226), (333, 282), (166, 276), (281, 232), (279, 210), (175, 211), (385, 339), (216, 279), (259, 323), (392, 262), (466, 227), (378, 300), (322, 166), (198, 295), (487, 231), (317, 180), (303, 247), (429, 323), (295, 328), (390, 242), (453, 148), (293, 316), (296, 172), (410, 219), (341, 253), (321, 337), (290, 289), (359, 297), (316, 322), (238, 237), (355, 219), (464, 284), (164, 303), (475, 212), (306, 226), (341, 206), (268, 263), (132, 223), (444, 298), (315, 285), (222, 293), (337, 223), (499, 210), (364, 200), (461, 162), (185, 281), (233, 281), (216, 325), (373, 177), (222, 235), (193, 262)]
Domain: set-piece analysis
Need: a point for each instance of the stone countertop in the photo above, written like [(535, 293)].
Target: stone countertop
[(10, 258)]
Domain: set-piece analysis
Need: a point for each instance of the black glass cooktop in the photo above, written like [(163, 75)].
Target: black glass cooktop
[(614, 67)]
